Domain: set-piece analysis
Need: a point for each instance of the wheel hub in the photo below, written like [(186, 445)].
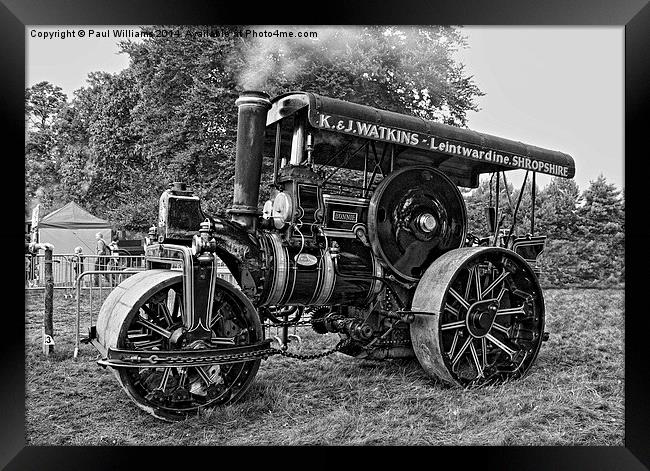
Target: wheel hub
[(427, 222), (480, 317)]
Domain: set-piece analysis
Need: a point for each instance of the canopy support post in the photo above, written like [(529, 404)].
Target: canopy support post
[(496, 211), (532, 214), (514, 216)]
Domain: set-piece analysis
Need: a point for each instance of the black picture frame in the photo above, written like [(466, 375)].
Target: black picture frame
[(634, 15)]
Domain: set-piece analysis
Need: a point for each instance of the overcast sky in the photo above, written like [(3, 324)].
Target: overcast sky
[(555, 87)]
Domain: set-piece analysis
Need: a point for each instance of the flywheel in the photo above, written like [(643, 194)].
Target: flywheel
[(416, 214)]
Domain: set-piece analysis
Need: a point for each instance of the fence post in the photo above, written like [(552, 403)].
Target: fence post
[(48, 324)]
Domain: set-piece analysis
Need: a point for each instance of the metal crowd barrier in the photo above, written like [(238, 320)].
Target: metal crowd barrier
[(99, 283), (101, 291), (67, 267), (79, 275)]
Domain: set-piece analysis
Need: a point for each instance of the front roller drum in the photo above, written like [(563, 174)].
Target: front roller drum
[(146, 312), (481, 317)]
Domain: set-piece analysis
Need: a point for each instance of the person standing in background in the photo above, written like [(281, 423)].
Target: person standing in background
[(79, 262), (113, 245), (103, 252), (30, 263), (114, 260)]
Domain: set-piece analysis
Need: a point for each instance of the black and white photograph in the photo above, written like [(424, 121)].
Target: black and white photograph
[(341, 235)]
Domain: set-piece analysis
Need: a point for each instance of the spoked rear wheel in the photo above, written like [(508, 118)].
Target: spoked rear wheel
[(486, 317), (145, 312)]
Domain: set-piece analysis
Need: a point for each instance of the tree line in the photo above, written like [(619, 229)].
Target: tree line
[(114, 146), (585, 230)]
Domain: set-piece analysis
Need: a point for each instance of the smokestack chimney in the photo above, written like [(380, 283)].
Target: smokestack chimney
[(251, 121)]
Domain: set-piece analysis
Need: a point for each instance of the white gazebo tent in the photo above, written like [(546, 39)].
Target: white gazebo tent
[(72, 226)]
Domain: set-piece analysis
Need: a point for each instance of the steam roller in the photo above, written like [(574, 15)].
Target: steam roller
[(383, 259)]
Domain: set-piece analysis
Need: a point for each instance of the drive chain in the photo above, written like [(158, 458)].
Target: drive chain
[(236, 357), (314, 356), (290, 324)]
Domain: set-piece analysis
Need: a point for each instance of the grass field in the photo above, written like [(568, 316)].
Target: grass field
[(572, 396)]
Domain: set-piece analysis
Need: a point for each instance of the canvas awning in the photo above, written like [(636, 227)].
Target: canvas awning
[(72, 216), (458, 151)]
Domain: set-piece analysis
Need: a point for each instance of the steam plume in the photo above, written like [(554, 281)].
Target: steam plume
[(283, 57)]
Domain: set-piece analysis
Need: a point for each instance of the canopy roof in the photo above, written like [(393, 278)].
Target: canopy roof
[(72, 216), (460, 152)]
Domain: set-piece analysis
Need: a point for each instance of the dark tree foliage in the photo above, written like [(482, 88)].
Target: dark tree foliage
[(43, 103), (587, 234), (185, 117), (602, 225), (558, 209), (602, 212)]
